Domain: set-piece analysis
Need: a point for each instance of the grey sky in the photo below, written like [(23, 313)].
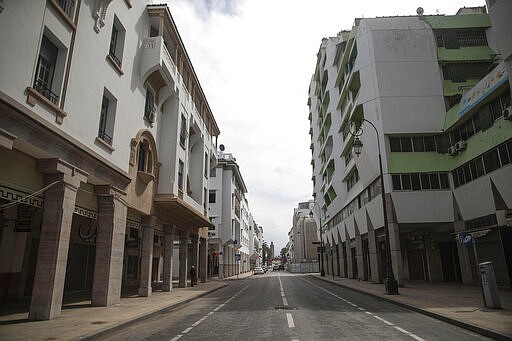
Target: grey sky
[(254, 59)]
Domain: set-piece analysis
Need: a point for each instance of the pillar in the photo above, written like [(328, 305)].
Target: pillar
[(221, 260), (183, 259), (195, 252), (374, 259), (168, 253), (342, 259), (359, 258), (52, 256), (146, 263), (110, 235), (396, 254), (464, 255), (203, 259)]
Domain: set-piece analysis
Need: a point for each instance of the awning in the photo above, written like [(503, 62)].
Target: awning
[(176, 211)]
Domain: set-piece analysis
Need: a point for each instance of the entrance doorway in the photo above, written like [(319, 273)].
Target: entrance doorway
[(450, 261)]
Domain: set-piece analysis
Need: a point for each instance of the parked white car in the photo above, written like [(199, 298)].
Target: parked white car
[(258, 270)]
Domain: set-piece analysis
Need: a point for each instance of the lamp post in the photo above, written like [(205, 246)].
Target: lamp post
[(322, 270), (390, 282)]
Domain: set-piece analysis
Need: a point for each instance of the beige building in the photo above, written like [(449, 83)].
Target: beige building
[(106, 141)]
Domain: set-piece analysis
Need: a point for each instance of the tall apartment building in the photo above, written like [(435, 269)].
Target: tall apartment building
[(435, 88), (106, 141), (229, 214), (303, 234)]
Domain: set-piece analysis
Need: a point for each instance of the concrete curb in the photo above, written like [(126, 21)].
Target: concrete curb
[(121, 324), (480, 330)]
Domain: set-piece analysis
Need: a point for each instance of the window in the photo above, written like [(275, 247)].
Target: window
[(180, 175), (68, 6), (206, 165), (213, 172), (145, 160), (149, 107), (183, 131), (212, 197), (420, 181), (107, 118), (117, 42), (45, 71), (205, 196), (491, 161)]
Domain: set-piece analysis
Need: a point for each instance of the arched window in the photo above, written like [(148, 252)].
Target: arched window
[(145, 158)]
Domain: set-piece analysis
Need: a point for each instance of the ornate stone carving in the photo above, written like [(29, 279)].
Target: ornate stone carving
[(99, 13)]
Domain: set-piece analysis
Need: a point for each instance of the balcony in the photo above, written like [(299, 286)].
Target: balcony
[(157, 66)]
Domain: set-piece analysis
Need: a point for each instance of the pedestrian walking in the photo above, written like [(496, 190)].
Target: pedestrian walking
[(193, 279)]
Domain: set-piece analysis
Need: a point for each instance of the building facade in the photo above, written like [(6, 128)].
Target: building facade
[(433, 93), (303, 239), (230, 216), (109, 139)]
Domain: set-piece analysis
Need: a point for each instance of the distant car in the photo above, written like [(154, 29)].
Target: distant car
[(258, 270), (264, 267), (281, 267), (275, 268)]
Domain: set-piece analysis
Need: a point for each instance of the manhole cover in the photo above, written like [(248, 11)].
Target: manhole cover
[(99, 322)]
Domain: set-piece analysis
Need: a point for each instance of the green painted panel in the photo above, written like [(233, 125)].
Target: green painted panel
[(478, 144), (458, 21), (470, 53), (451, 88), (452, 116)]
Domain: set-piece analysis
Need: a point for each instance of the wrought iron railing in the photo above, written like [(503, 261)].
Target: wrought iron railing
[(67, 6), (42, 88)]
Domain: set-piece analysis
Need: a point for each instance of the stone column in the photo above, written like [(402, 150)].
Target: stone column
[(183, 259), (359, 257), (108, 266), (394, 242), (396, 255), (464, 255), (168, 253), (374, 259), (59, 205), (222, 251), (342, 260), (146, 264), (203, 260), (195, 252)]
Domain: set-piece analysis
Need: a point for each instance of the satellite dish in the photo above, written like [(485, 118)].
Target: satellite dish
[(221, 147), (419, 10)]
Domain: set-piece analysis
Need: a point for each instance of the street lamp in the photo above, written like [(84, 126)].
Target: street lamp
[(322, 271), (390, 282)]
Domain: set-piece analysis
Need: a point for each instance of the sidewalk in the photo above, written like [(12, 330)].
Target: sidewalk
[(80, 321), (455, 303)]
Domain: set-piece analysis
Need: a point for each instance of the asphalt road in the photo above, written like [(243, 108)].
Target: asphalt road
[(283, 306)]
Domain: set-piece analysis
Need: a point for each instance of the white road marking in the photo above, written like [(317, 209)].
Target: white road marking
[(282, 293), (285, 301), (381, 319), (195, 324), (187, 330), (414, 336), (290, 320)]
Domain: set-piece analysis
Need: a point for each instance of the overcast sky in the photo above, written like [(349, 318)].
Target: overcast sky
[(254, 60)]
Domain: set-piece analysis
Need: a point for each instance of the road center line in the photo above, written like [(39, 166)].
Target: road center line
[(416, 337), (290, 320), (195, 324)]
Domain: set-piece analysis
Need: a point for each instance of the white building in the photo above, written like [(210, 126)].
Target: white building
[(407, 76), (109, 138), (229, 214)]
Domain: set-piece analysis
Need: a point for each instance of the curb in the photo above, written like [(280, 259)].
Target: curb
[(121, 324), (480, 330)]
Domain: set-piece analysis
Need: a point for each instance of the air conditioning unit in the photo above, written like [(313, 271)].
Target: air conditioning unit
[(452, 150), (507, 113), (461, 145)]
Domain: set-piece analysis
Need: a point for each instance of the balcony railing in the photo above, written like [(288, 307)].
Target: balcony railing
[(42, 88), (102, 134), (68, 6)]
